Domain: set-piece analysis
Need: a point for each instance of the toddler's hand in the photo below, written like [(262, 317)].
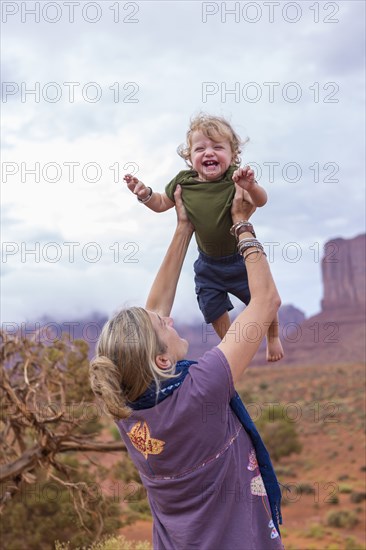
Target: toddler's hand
[(136, 186), (244, 177)]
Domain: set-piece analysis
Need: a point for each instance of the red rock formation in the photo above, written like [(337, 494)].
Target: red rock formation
[(338, 333), (343, 269)]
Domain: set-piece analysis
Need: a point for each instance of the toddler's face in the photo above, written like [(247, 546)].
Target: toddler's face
[(210, 159)]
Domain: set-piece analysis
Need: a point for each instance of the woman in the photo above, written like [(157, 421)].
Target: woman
[(206, 471)]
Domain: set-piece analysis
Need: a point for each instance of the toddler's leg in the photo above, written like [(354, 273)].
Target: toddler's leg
[(274, 346), (222, 324)]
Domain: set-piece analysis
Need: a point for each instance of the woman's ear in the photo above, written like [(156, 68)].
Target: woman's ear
[(163, 361)]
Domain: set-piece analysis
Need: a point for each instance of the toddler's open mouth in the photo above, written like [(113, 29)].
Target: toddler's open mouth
[(210, 163)]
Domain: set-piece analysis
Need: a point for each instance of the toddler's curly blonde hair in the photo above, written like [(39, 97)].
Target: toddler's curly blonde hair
[(214, 128)]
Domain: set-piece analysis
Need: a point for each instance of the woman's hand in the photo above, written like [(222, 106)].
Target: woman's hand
[(241, 208), (182, 217)]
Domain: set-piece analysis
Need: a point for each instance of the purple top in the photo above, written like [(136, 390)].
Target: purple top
[(199, 467)]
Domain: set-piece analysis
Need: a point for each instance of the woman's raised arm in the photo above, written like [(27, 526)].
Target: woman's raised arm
[(245, 334), (162, 293)]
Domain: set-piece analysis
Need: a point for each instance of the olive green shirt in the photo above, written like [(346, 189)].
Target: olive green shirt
[(208, 205)]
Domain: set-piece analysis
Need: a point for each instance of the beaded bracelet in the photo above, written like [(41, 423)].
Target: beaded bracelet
[(244, 244), (146, 199)]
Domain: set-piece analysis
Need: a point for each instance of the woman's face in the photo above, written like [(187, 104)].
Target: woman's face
[(177, 347)]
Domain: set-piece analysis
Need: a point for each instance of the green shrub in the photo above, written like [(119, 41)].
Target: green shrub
[(306, 489), (333, 499), (62, 496), (141, 507), (126, 470), (284, 470), (114, 431), (352, 544), (278, 432), (342, 519), (246, 397), (357, 497), (315, 531), (113, 543), (344, 488), (135, 493), (45, 508)]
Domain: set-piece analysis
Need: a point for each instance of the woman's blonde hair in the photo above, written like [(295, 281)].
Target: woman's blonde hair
[(124, 365), (214, 128)]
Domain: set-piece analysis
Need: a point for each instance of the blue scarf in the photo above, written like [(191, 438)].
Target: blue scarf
[(150, 398)]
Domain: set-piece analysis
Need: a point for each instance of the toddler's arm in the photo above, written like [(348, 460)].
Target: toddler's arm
[(158, 202), (244, 177)]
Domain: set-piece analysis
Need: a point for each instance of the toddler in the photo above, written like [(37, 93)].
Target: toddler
[(212, 152)]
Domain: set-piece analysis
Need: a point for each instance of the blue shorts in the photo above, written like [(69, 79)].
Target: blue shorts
[(214, 279)]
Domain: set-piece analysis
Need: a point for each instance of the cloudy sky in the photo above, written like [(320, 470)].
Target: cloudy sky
[(92, 90)]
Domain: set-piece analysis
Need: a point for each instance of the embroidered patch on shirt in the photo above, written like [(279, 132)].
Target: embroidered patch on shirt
[(252, 464), (143, 442), (274, 532), (257, 486)]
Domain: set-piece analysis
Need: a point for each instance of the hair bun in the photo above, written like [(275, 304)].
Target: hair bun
[(105, 381)]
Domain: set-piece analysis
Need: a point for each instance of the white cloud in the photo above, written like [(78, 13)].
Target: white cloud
[(169, 54)]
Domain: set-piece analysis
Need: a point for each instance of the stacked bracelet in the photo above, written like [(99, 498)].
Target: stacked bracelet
[(241, 226), (146, 199), (256, 251), (244, 244), (244, 226)]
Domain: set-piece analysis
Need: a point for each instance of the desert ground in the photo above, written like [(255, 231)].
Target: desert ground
[(324, 502)]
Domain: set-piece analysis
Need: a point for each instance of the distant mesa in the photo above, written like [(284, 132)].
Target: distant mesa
[(343, 270), (290, 316), (335, 335)]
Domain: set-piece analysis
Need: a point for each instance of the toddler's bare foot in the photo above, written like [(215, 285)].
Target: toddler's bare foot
[(274, 349)]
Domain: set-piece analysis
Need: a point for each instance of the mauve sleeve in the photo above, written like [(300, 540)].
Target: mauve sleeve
[(211, 378)]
